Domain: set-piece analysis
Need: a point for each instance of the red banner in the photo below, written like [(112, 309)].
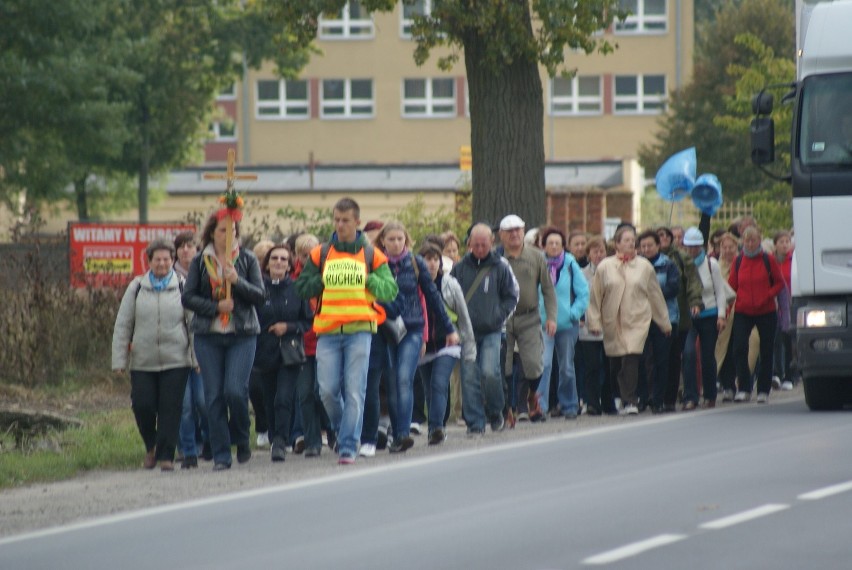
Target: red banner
[(111, 254)]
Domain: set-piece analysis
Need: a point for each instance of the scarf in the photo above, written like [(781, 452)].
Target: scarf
[(752, 254), (699, 259), (217, 276), (158, 283), (626, 258), (554, 264), (396, 258)]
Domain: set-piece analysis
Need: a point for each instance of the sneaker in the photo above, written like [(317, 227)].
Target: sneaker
[(776, 383), (437, 437), (263, 439), (498, 423), (243, 452), (742, 396), (346, 459), (688, 406), (189, 462), (786, 385), (630, 410), (221, 466), (414, 428), (382, 440), (523, 417), (299, 445), (312, 452), (206, 452), (367, 450), (762, 398), (401, 444), (278, 452), (728, 396), (461, 423)]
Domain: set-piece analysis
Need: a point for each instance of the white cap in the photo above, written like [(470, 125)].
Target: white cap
[(693, 236), (511, 222)]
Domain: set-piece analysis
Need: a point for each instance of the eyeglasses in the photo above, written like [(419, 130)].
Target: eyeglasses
[(278, 258)]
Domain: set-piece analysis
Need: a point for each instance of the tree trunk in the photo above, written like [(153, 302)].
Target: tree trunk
[(82, 198), (506, 135)]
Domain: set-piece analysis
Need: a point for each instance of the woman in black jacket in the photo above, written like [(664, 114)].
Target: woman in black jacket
[(280, 356), (225, 329)]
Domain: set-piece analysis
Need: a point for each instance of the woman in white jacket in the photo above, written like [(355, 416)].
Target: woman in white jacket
[(151, 338), (706, 326), (440, 356)]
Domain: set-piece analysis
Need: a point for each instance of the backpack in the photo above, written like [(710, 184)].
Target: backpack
[(765, 263)]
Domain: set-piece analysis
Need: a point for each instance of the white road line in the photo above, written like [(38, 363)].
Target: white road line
[(826, 492), (744, 516), (633, 549)]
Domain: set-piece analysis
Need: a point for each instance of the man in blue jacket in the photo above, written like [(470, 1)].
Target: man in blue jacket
[(491, 294)]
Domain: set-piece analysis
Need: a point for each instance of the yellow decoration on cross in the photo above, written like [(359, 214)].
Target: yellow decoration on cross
[(232, 201)]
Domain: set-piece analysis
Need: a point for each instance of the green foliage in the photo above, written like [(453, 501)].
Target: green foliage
[(317, 222), (691, 120), (91, 89), (419, 222)]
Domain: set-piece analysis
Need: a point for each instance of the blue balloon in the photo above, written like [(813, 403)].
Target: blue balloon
[(707, 194), (676, 176)]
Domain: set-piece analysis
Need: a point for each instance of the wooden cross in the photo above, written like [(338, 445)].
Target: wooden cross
[(230, 177)]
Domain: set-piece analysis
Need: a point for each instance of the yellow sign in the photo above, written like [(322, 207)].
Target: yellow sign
[(465, 158)]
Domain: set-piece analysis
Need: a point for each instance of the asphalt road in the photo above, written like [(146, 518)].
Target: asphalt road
[(737, 487)]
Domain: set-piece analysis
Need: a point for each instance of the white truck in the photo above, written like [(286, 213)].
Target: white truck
[(821, 177)]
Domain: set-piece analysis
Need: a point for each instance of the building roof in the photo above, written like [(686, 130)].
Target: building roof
[(604, 174)]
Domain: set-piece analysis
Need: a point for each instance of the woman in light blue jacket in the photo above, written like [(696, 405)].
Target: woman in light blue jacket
[(572, 298)]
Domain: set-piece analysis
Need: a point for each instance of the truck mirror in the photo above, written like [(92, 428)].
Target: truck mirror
[(761, 104), (762, 140)]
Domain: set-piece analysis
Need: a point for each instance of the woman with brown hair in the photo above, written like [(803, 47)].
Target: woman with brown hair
[(625, 297)]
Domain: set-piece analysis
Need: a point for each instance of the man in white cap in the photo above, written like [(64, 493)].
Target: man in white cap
[(524, 327)]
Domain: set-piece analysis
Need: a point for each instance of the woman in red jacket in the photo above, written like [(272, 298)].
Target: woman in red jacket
[(757, 279)]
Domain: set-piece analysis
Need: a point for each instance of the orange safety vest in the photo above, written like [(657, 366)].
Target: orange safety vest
[(345, 298)]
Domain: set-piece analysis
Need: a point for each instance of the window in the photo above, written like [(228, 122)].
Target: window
[(640, 94), (416, 8), (646, 16), (227, 94), (352, 22), (576, 96), (346, 98), (280, 99), (224, 131), (429, 97)]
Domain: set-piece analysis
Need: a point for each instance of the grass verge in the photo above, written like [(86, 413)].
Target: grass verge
[(107, 440)]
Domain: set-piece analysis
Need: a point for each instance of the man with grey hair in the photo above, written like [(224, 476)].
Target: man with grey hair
[(491, 294), (524, 326)]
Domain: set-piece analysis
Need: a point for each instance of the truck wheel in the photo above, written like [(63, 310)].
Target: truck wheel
[(821, 394)]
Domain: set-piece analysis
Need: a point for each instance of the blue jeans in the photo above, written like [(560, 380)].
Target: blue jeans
[(436, 383), (483, 377), (704, 329), (564, 342), (342, 361), (372, 404), (194, 412), (226, 361), (403, 365)]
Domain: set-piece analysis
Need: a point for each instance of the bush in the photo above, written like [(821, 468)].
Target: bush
[(53, 333)]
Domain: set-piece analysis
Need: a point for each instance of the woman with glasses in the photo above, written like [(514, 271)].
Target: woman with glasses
[(280, 357)]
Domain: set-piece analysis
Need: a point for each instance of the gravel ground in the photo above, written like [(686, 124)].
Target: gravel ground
[(103, 493)]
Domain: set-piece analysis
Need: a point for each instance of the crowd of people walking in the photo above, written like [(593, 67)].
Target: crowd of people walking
[(351, 341)]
